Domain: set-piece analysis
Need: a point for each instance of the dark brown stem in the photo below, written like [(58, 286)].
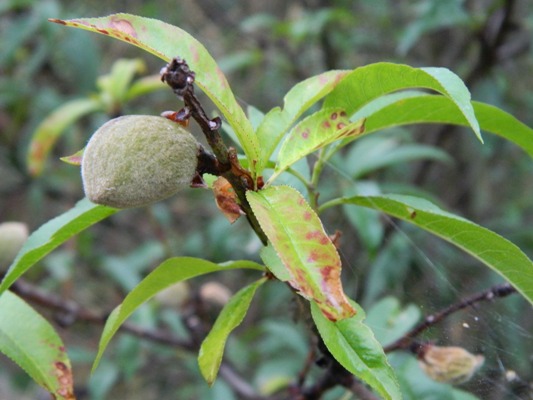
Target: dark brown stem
[(181, 79), (405, 342)]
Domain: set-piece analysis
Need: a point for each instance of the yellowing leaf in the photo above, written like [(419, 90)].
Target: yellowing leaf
[(306, 251)]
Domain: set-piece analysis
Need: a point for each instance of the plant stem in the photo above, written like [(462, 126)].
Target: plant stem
[(498, 291), (180, 78)]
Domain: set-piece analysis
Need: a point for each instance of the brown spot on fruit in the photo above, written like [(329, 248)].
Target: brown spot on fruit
[(334, 116)]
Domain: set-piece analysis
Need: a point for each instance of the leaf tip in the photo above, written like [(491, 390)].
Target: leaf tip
[(57, 21)]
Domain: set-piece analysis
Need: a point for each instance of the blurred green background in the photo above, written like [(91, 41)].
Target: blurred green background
[(265, 48)]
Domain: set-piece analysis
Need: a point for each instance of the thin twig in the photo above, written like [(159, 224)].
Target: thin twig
[(72, 312), (181, 79), (406, 340)]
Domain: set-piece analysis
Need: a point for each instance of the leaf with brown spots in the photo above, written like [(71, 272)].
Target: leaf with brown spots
[(298, 100), (313, 133), (304, 248), (31, 342), (167, 41)]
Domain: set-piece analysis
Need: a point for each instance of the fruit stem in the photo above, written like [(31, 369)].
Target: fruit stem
[(181, 79)]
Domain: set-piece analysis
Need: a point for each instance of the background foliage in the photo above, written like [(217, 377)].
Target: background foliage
[(265, 48)]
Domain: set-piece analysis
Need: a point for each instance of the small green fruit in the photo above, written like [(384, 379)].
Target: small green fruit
[(136, 160)]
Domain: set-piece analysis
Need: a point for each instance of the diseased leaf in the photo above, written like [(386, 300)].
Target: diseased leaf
[(354, 346), (226, 199), (488, 247), (31, 342), (74, 159), (297, 100), (313, 133), (166, 41), (169, 272), (367, 83), (307, 252), (51, 128), (52, 234), (230, 317)]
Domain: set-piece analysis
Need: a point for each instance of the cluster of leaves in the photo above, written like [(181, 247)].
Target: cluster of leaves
[(355, 104)]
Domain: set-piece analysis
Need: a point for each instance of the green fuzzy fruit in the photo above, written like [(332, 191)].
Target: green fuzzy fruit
[(136, 160)]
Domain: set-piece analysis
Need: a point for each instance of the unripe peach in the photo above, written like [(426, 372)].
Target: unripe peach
[(136, 160), (449, 364)]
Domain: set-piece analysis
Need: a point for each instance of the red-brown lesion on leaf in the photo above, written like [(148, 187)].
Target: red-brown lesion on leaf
[(123, 25), (318, 236), (57, 21), (66, 383)]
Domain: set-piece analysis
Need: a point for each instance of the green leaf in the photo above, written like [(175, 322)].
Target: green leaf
[(303, 246), (370, 82), (438, 109), (166, 274), (389, 320), (31, 342), (297, 100), (274, 264), (373, 153), (488, 247), (313, 133), (166, 41), (231, 316), (115, 85), (354, 346), (144, 85), (52, 234), (51, 128)]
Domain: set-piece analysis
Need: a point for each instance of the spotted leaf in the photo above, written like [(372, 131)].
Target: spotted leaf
[(304, 248), (313, 133)]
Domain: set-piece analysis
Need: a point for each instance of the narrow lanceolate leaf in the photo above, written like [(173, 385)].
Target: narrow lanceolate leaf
[(167, 41), (425, 108), (31, 342), (51, 128), (166, 274), (313, 133), (306, 251), (354, 346), (52, 234), (493, 250), (74, 159), (367, 83), (297, 100), (230, 317)]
